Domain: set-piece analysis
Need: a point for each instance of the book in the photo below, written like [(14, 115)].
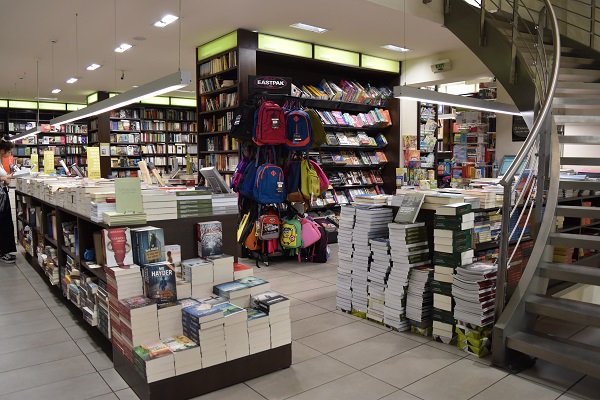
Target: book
[(173, 255), (269, 301), (455, 209), (148, 245), (117, 247), (210, 238), (160, 281), (409, 206)]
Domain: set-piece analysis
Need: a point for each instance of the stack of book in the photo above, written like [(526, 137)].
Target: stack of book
[(242, 271), (184, 289), (186, 354), (199, 272), (139, 323), (419, 300), (378, 273), (236, 331), (169, 320), (433, 200), (259, 331), (97, 209), (103, 311), (345, 253), (194, 203), (154, 361), (222, 268), (113, 218), (452, 248), (235, 293), (278, 309), (159, 205), (225, 203), (370, 222), (473, 339), (204, 324)]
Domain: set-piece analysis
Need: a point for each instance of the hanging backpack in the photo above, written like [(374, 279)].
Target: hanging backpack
[(310, 232), (319, 136), (268, 225), (269, 185), (247, 180), (310, 185), (323, 180), (237, 175), (243, 121), (252, 242), (319, 250), (299, 135), (269, 125), (291, 234), (244, 227)]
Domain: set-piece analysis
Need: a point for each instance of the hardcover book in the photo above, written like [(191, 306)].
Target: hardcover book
[(160, 282), (269, 301), (117, 247), (210, 238), (148, 245), (173, 255)]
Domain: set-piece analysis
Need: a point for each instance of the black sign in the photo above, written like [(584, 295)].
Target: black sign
[(520, 130), (269, 84)]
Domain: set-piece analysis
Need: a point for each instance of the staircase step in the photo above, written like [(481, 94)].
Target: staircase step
[(564, 309), (578, 211), (576, 139), (577, 87), (565, 61), (574, 240), (579, 185), (578, 75), (571, 273), (566, 353), (580, 161), (588, 103), (577, 119)]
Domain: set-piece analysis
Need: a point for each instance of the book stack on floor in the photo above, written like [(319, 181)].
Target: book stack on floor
[(222, 267), (204, 324), (236, 331), (452, 248), (186, 354), (139, 323), (419, 300), (169, 320), (278, 309), (154, 361), (199, 272), (409, 247), (259, 330), (378, 273), (474, 339), (370, 222), (345, 253), (474, 291)]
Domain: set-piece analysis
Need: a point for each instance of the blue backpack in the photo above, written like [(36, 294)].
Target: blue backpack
[(269, 184), (246, 183), (292, 176), (299, 132)]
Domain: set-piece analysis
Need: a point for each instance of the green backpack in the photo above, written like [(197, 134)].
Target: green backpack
[(291, 234), (319, 137), (310, 184)]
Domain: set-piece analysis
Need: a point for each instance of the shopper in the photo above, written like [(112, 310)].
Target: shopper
[(7, 229)]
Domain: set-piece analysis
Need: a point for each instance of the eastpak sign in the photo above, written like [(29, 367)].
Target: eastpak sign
[(269, 84)]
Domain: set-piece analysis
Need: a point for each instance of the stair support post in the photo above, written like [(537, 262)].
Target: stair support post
[(501, 274), (513, 52), (482, 24), (593, 25)]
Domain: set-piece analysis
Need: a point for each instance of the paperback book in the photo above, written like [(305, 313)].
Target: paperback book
[(160, 282)]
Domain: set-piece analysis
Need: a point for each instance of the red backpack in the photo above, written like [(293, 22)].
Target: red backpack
[(269, 125)]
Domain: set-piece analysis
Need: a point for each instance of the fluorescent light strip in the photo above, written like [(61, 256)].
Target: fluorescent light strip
[(395, 48), (72, 80), (160, 86), (57, 90), (123, 48), (27, 133), (407, 92), (93, 67), (307, 27), (47, 98), (166, 20)]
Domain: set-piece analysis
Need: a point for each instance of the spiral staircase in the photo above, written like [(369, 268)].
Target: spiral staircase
[(543, 53)]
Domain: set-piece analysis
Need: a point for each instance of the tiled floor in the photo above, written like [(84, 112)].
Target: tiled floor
[(45, 353)]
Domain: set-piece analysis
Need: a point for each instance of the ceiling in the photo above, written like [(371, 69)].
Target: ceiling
[(27, 28)]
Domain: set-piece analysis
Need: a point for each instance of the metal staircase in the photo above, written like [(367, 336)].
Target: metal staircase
[(567, 92)]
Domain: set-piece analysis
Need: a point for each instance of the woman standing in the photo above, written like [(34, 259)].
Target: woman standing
[(7, 229)]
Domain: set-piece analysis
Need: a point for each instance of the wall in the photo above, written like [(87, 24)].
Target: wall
[(504, 143)]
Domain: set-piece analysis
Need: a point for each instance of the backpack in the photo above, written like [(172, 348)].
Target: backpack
[(252, 242), (237, 175), (310, 185), (319, 251), (269, 125), (244, 227), (299, 134), (268, 225), (246, 183), (269, 184), (323, 180), (243, 121), (310, 232), (291, 234), (319, 137)]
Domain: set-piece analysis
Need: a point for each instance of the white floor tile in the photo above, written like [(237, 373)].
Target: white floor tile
[(514, 387), (356, 386)]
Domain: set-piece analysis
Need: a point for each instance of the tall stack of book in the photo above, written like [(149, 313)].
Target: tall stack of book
[(203, 323), (378, 273), (345, 252), (236, 331), (222, 267), (409, 248), (199, 272), (169, 320), (103, 310), (452, 240), (474, 291), (154, 361), (278, 309), (139, 323), (186, 354), (259, 330), (370, 222), (419, 300)]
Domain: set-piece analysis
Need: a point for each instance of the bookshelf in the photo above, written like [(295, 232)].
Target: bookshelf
[(427, 138)]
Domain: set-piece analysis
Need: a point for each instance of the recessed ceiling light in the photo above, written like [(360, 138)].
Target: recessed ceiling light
[(166, 20), (56, 90), (47, 98), (185, 91), (307, 27), (72, 80), (395, 48), (93, 67), (123, 48)]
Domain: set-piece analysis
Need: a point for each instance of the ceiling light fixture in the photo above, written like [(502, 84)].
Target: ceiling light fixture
[(93, 67), (307, 27), (160, 86), (72, 80), (395, 48), (123, 48), (166, 20), (47, 98), (55, 90), (430, 96)]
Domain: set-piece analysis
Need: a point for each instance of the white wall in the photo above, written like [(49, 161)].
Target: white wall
[(408, 122), (504, 143)]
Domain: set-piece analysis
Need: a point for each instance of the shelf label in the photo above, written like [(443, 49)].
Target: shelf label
[(93, 159), (34, 161), (381, 64), (219, 45), (337, 56), (284, 46), (48, 162)]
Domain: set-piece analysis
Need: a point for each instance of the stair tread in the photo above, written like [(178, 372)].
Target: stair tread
[(577, 211), (571, 273), (577, 119), (579, 185), (579, 139), (565, 353), (575, 240), (579, 161), (565, 309)]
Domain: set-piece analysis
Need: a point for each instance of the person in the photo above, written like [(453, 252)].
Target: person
[(7, 229)]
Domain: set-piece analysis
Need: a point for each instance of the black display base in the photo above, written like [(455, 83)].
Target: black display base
[(206, 380)]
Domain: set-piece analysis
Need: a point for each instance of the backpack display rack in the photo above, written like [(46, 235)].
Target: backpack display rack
[(276, 181)]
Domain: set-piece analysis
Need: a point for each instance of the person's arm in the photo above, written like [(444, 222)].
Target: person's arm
[(6, 179)]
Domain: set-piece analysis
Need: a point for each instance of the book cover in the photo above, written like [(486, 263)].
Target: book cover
[(148, 245), (409, 208), (160, 282), (173, 255), (268, 301), (210, 238), (117, 247), (254, 314), (229, 289)]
